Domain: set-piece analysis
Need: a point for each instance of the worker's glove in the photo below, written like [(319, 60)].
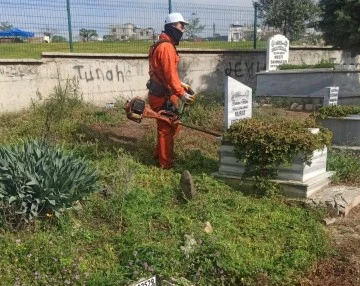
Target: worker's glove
[(187, 88), (188, 98)]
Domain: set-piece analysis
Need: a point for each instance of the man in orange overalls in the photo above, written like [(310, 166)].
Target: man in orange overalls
[(165, 87)]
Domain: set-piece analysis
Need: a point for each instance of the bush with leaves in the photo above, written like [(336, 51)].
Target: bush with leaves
[(336, 111), (323, 64), (36, 179), (263, 146)]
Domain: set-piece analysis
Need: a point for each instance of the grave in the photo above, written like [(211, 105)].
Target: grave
[(277, 52), (331, 95), (298, 180), (345, 130), (238, 101), (305, 84)]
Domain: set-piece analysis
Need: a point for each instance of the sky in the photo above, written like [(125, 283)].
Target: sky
[(213, 2)]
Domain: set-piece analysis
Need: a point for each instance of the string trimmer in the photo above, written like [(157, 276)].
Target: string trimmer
[(137, 109)]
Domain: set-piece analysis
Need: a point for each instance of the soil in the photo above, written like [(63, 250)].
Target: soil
[(341, 268)]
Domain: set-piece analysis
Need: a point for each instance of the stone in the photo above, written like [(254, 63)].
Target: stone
[(294, 106), (188, 189), (309, 107), (300, 107), (338, 200), (331, 95), (208, 227), (238, 101), (277, 52), (328, 221)]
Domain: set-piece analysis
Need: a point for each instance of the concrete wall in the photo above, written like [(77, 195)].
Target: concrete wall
[(104, 78), (310, 84)]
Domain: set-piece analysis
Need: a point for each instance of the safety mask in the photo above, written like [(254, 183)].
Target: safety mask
[(173, 33)]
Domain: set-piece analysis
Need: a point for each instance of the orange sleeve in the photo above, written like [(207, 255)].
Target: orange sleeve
[(167, 60)]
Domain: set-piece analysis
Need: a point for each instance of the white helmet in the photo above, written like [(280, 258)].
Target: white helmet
[(175, 18)]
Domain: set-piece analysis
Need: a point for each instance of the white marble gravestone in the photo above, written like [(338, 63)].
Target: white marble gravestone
[(277, 52), (331, 95), (238, 101)]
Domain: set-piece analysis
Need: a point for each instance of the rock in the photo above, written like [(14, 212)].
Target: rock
[(300, 107), (329, 221), (309, 107), (188, 189), (208, 227), (294, 106)]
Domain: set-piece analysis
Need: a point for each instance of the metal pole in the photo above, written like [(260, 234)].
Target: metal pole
[(255, 23), (69, 25), (170, 8)]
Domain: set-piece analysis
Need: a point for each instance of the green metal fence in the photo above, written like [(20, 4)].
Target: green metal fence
[(113, 26)]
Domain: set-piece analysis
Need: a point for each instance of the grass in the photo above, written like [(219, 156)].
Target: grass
[(136, 226), (347, 166), (34, 50)]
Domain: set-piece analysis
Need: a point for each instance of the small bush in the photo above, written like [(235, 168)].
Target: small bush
[(61, 109), (38, 179), (206, 113), (321, 65), (336, 111), (346, 165)]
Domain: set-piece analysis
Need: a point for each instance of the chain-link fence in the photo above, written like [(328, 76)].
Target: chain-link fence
[(112, 26)]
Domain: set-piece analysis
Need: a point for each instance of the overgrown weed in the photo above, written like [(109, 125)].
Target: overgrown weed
[(346, 164)]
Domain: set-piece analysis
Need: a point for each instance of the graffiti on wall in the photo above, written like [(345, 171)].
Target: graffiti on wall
[(17, 71), (118, 73), (244, 69)]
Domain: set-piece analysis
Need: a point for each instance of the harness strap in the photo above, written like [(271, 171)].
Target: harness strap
[(152, 72)]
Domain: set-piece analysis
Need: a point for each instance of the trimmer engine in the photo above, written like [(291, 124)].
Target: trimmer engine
[(135, 109)]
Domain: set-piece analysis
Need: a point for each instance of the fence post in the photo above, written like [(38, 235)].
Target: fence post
[(170, 8), (255, 22), (69, 25)]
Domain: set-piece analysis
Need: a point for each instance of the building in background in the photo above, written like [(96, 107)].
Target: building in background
[(128, 31), (236, 33)]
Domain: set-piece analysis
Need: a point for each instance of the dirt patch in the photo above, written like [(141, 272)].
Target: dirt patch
[(343, 268)]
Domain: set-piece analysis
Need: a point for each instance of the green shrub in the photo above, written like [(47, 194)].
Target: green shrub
[(346, 165), (61, 109), (263, 145), (322, 64), (38, 179), (336, 111), (206, 113)]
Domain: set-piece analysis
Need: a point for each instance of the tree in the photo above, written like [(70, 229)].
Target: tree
[(193, 28), (290, 16), (58, 39), (340, 24), (5, 26), (87, 34)]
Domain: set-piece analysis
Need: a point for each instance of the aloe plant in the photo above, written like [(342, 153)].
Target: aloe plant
[(38, 178)]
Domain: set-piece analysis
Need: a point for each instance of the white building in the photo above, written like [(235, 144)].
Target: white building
[(236, 33)]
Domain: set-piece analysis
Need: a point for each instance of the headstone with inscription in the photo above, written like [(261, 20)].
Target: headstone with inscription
[(277, 52), (331, 95), (238, 101)]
